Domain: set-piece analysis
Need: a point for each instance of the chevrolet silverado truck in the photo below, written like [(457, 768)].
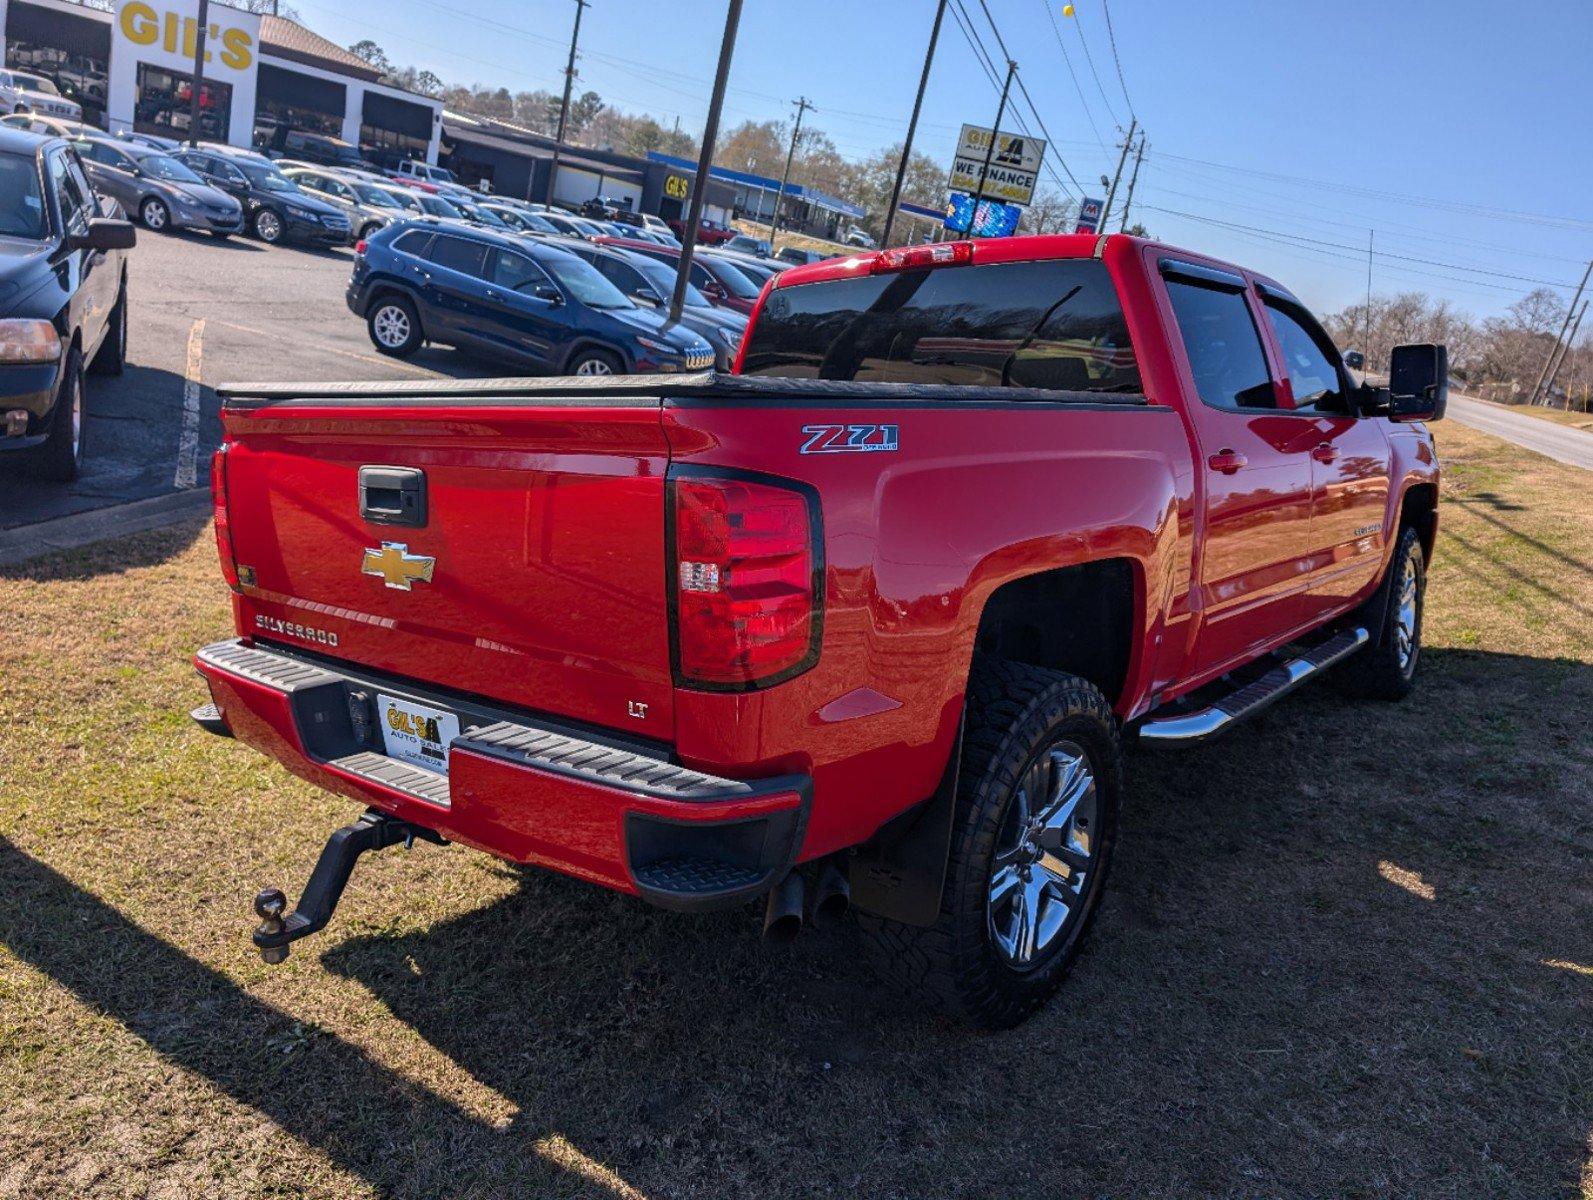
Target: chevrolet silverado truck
[(866, 623)]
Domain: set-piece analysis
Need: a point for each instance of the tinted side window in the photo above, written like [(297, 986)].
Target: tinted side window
[(1223, 345), (414, 242), (457, 254), (515, 271), (69, 198), (623, 276), (1046, 324), (1312, 374)]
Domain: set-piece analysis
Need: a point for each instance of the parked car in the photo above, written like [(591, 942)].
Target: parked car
[(856, 236), (63, 299), (801, 258), (759, 270), (868, 625), (436, 180), (317, 148), (50, 126), (522, 220), (512, 297), (744, 243), (709, 233), (153, 141), (657, 225), (722, 282), (157, 189), (578, 227), (647, 281), (275, 209), (479, 214), (367, 206), (22, 91)]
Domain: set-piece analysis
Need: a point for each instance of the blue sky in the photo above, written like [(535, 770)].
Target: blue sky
[(1280, 133)]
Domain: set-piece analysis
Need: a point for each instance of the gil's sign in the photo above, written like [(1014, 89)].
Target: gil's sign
[(1014, 164)]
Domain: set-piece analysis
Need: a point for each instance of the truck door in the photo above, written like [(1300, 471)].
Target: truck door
[(1255, 466), (1349, 458)]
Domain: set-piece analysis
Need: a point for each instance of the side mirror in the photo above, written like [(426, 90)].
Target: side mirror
[(1418, 383), (546, 291), (105, 233), (1355, 360)]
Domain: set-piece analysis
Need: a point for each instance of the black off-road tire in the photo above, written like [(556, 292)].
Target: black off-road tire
[(1015, 714), (59, 458), (1383, 671), (111, 357)]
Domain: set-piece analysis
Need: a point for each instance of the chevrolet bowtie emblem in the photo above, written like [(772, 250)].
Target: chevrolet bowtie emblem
[(395, 566)]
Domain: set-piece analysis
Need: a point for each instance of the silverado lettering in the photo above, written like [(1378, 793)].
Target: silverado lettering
[(683, 654)]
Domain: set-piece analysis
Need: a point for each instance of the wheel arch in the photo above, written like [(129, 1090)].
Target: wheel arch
[(594, 343), (1418, 508), (385, 288)]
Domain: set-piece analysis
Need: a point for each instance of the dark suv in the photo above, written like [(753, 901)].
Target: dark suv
[(512, 297), (275, 209), (63, 299)]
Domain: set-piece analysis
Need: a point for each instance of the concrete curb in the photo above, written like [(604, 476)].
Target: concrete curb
[(82, 529)]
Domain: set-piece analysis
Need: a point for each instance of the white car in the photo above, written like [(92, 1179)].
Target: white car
[(859, 237), (22, 92)]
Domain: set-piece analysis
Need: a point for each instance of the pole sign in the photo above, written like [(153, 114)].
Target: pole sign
[(1089, 215), (1014, 164)]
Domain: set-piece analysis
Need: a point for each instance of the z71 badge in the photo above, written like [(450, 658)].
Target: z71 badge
[(849, 439)]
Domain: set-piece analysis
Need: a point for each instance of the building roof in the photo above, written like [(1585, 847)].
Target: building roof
[(747, 179), (288, 39), (578, 158)]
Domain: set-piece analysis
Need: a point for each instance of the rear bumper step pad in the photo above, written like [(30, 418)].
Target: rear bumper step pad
[(616, 814)]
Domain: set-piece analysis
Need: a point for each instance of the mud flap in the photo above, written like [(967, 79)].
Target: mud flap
[(900, 873)]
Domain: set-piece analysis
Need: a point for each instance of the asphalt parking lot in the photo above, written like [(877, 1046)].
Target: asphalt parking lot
[(210, 312)]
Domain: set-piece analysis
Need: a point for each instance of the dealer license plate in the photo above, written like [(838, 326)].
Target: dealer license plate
[(416, 734)]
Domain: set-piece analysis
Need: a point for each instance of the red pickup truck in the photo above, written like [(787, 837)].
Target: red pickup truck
[(868, 622)]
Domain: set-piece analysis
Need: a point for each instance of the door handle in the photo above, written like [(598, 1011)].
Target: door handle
[(1228, 462), (1325, 452)]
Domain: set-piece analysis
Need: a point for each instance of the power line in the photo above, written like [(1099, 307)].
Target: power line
[(1090, 58), (1068, 61), (1111, 34)]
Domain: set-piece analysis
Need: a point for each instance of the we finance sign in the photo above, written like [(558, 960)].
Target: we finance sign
[(1014, 164)]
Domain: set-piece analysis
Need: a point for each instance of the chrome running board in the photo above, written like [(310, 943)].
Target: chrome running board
[(1190, 729)]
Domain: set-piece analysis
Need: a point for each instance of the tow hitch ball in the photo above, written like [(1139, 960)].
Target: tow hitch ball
[(373, 831)]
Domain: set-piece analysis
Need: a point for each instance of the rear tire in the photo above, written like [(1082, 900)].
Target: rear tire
[(60, 457), (394, 326), (1387, 670), (111, 357), (1032, 840)]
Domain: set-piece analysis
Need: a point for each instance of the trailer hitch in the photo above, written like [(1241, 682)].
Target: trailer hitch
[(375, 830)]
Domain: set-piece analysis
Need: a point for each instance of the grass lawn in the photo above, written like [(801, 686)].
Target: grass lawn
[(1347, 952)]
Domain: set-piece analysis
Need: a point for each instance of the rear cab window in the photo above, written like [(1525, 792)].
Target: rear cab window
[(1053, 323)]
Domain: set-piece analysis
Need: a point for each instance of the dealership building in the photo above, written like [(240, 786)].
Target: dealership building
[(132, 70)]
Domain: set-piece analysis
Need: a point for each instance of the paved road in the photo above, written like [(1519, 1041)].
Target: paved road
[(267, 313), (1573, 446)]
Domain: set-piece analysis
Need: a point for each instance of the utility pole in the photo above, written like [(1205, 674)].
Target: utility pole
[(802, 105), (995, 134), (912, 126), (564, 108), (705, 158), (1555, 349), (1128, 201), (1366, 352), (199, 74), (1111, 192), (1565, 352)]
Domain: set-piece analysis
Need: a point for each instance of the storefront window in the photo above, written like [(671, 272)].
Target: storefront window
[(388, 147), (165, 100), (288, 102)]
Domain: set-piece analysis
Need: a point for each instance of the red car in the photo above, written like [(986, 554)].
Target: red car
[(709, 233), (725, 285), (870, 622)]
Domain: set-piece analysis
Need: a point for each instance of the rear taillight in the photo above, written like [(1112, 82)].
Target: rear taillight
[(359, 246), (745, 580), (908, 258), (218, 508)]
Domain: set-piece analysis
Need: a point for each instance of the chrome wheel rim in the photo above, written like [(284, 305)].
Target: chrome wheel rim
[(154, 214), (268, 227), (1045, 856), (391, 326), (1405, 619), (594, 366)]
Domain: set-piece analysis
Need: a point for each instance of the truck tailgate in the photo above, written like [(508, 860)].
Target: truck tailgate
[(535, 577)]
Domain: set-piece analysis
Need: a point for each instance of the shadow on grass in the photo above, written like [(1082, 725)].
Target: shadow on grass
[(1338, 957)]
